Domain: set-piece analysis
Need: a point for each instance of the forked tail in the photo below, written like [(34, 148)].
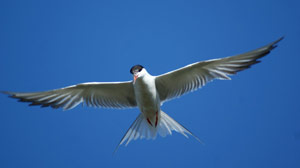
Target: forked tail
[(140, 128)]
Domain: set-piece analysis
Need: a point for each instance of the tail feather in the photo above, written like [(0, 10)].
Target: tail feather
[(172, 125), (141, 129)]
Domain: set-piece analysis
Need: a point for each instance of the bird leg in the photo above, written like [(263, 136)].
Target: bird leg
[(156, 119), (149, 121)]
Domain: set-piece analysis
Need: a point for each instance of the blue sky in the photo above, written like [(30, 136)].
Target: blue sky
[(250, 121)]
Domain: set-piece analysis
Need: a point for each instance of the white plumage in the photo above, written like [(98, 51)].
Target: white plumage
[(147, 92)]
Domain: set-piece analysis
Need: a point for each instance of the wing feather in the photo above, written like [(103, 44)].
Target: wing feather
[(97, 94), (191, 77)]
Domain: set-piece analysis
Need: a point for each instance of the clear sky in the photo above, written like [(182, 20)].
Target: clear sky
[(251, 121)]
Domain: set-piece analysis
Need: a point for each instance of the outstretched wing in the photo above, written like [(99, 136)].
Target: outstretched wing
[(191, 77), (98, 94)]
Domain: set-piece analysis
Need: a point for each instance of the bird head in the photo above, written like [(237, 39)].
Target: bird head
[(137, 71)]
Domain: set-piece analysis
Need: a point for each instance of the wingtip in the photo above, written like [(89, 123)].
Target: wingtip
[(276, 41), (281, 38), (6, 93), (273, 44)]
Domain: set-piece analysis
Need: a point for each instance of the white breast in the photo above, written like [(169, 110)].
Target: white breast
[(146, 95)]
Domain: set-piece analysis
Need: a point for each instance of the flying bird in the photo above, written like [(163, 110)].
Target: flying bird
[(147, 92)]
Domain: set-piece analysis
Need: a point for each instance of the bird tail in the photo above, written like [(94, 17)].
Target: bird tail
[(140, 129)]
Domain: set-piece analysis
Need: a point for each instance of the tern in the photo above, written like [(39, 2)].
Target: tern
[(146, 92)]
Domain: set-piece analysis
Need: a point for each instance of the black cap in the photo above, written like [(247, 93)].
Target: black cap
[(136, 68)]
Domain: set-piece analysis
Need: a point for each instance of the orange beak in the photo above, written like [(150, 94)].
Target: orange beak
[(134, 78)]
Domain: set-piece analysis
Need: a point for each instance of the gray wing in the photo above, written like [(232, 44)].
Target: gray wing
[(98, 94), (191, 77)]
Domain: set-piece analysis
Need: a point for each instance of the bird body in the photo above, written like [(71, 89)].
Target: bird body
[(147, 92), (147, 96)]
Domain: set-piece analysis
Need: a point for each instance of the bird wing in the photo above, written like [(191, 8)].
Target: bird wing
[(97, 94), (191, 77)]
